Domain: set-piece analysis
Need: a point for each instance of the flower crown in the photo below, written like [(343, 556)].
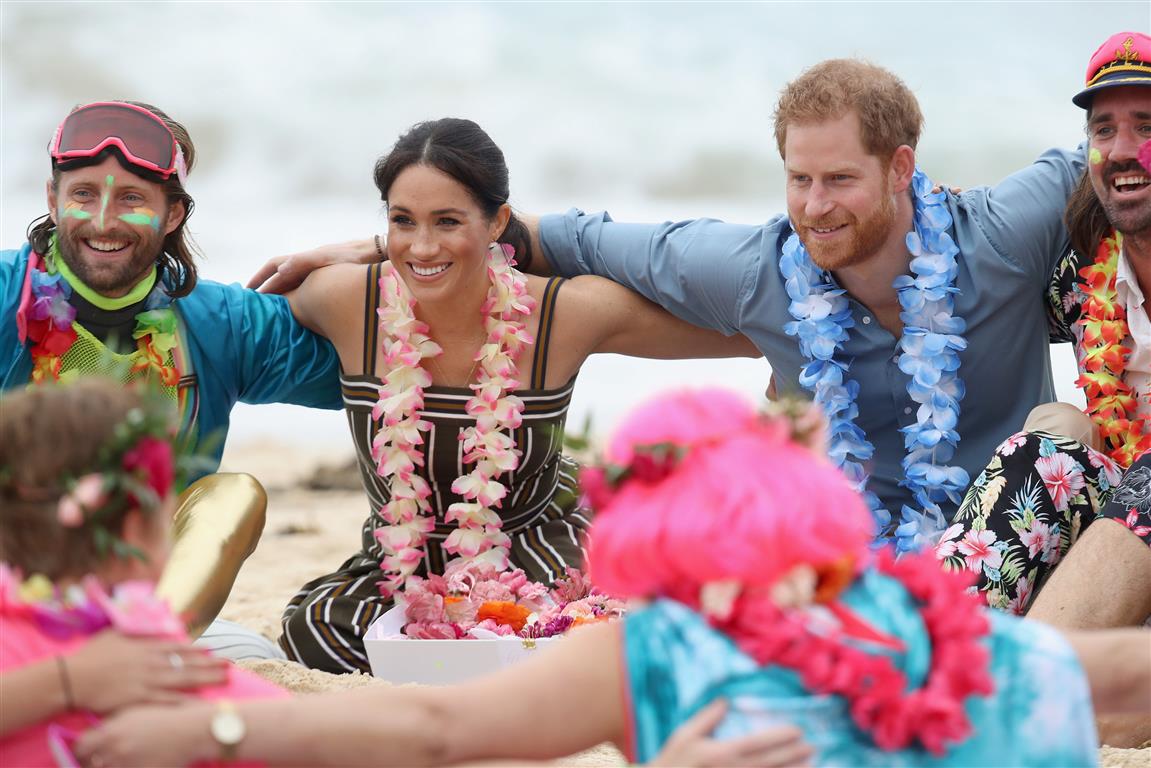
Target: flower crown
[(135, 468), (651, 463)]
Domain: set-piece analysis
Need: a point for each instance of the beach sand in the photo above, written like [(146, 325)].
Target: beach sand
[(309, 533)]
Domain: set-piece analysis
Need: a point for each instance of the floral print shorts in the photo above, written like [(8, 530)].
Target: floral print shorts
[(1029, 506)]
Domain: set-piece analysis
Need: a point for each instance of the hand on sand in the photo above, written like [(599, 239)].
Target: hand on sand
[(150, 736), (692, 745), (115, 671), (282, 274)]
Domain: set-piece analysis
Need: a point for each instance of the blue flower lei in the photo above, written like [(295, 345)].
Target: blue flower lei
[(930, 345)]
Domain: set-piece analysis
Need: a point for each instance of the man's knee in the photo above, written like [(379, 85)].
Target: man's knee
[(232, 506), (1101, 583), (1063, 419)]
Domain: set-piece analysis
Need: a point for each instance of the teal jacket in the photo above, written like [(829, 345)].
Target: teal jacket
[(243, 346)]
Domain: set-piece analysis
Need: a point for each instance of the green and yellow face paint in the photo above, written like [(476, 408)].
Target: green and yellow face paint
[(73, 210), (1094, 156), (142, 217), (105, 197)]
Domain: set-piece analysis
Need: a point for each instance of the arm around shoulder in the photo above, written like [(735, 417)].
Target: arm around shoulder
[(1022, 216), (267, 356), (606, 317)]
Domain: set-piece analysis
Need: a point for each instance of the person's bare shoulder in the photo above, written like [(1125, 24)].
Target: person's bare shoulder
[(331, 301)]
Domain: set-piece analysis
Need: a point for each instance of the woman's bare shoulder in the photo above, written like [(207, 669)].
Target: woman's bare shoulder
[(338, 277)]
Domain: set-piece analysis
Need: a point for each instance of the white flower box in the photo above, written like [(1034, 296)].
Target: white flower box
[(439, 662)]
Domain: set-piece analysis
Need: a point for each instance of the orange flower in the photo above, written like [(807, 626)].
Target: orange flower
[(1103, 358), (504, 612), (834, 578), (1100, 384), (45, 368)]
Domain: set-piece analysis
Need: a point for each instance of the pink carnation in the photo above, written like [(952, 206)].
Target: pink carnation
[(514, 579), (499, 629), (579, 609), (534, 596), (575, 587), (432, 631), (492, 590), (461, 610), (433, 584), (424, 607)]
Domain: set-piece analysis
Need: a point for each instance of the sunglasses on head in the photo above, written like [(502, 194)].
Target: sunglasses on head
[(140, 136)]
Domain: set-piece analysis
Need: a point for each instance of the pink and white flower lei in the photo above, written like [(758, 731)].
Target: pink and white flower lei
[(488, 447)]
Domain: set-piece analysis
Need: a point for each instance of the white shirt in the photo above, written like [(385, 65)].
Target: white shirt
[(1138, 373)]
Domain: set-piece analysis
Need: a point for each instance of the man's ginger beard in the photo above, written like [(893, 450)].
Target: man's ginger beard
[(867, 235)]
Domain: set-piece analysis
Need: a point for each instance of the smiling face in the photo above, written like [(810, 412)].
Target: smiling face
[(839, 197), (1118, 124), (438, 235), (110, 225)]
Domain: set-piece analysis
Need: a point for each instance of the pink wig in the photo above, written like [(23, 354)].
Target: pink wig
[(743, 502)]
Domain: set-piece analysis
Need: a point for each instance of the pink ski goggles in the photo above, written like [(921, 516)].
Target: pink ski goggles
[(141, 137)]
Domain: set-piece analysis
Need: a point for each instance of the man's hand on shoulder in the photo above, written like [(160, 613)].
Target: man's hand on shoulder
[(282, 274)]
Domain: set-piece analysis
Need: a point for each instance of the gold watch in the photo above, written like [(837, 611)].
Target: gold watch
[(227, 729)]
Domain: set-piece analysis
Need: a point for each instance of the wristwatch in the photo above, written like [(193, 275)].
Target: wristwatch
[(227, 729)]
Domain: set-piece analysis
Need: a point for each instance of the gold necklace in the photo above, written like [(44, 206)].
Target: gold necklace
[(471, 372)]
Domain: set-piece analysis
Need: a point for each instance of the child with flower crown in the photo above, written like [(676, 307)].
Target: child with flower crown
[(757, 587), (86, 476)]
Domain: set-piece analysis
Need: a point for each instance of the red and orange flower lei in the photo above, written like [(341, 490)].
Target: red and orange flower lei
[(932, 716), (1111, 403), (51, 332)]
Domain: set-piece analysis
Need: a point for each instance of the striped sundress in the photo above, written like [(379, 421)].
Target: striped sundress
[(325, 622)]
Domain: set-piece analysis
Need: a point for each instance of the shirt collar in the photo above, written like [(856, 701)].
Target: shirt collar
[(1127, 283)]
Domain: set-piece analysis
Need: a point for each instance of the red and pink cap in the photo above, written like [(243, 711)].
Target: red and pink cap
[(1125, 59)]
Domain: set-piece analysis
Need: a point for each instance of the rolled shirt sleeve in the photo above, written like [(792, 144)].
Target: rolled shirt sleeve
[(1022, 216), (703, 270)]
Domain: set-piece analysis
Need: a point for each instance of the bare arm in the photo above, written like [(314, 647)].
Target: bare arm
[(110, 672), (560, 702), (563, 701), (540, 265), (40, 690), (281, 274), (330, 302), (597, 315)]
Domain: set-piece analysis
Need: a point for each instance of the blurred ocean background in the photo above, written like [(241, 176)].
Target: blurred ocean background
[(652, 111)]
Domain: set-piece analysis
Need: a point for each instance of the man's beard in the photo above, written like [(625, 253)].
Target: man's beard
[(1131, 217), (867, 237), (112, 276)]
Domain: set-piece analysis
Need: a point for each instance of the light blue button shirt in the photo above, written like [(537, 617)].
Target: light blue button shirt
[(726, 276)]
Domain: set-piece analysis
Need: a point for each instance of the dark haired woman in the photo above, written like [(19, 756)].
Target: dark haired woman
[(457, 375)]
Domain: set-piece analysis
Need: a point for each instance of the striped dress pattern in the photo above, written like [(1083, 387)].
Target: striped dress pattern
[(325, 621)]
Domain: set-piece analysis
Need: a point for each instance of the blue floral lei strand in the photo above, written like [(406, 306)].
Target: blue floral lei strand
[(930, 345)]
